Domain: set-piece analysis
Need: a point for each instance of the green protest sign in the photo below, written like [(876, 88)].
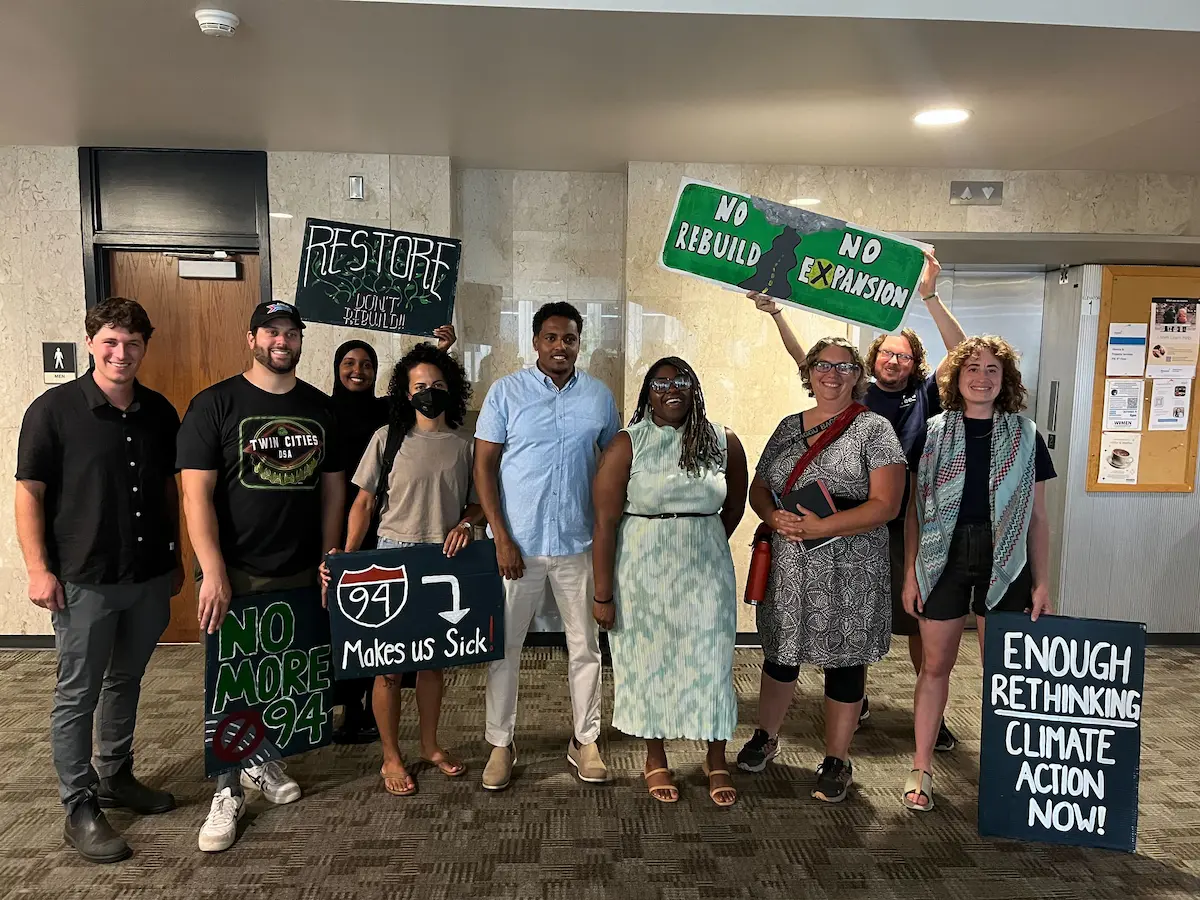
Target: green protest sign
[(794, 255)]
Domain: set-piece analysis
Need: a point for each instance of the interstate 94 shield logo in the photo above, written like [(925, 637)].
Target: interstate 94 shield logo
[(373, 596)]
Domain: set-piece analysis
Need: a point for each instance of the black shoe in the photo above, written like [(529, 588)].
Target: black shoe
[(759, 750), (834, 778), (88, 831), (124, 790), (946, 741), (865, 713)]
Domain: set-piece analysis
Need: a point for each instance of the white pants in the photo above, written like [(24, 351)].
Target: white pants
[(570, 580)]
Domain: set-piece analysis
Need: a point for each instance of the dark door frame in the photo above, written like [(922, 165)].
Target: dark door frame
[(97, 240)]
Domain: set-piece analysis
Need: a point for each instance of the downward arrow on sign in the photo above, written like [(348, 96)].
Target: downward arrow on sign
[(987, 193), (455, 614)]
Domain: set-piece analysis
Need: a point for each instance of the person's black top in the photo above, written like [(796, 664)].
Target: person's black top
[(976, 506), (269, 451), (106, 473), (909, 412), (359, 415)]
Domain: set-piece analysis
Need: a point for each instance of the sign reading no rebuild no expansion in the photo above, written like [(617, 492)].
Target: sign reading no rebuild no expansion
[(794, 255), (374, 278)]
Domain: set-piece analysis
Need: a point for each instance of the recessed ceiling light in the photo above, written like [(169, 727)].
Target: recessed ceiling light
[(804, 201), (945, 116), (280, 215)]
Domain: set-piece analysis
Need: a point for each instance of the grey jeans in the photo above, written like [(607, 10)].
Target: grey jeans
[(104, 637)]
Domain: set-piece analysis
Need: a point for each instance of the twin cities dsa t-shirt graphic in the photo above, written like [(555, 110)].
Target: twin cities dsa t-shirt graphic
[(280, 452)]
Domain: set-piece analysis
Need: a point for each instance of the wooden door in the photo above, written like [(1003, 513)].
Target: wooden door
[(199, 338)]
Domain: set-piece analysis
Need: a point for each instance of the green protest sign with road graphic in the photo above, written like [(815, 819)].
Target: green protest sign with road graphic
[(794, 255)]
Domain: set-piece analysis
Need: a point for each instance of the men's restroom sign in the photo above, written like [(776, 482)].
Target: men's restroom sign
[(396, 611), (373, 596), (58, 361)]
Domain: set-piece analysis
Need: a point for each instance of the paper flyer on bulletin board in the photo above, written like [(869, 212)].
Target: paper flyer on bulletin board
[(1119, 455), (1170, 403), (1123, 404), (1174, 338), (1126, 350)]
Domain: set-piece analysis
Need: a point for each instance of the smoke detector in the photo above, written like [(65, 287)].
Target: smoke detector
[(217, 22)]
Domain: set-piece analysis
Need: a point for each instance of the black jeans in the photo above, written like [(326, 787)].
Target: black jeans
[(963, 587)]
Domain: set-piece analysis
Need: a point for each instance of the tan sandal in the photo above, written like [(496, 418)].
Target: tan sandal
[(402, 776), (671, 791), (714, 790), (447, 765), (920, 783)]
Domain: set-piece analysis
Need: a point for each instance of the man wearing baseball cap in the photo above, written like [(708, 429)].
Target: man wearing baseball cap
[(260, 511)]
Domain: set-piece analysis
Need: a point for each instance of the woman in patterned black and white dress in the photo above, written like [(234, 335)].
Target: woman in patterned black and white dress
[(831, 606)]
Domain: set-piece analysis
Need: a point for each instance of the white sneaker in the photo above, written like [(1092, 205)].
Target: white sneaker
[(269, 779), (219, 830)]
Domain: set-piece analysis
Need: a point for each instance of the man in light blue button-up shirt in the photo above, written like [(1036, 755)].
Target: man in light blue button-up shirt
[(537, 444)]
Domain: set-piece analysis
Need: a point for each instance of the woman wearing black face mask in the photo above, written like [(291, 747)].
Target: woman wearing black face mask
[(430, 500)]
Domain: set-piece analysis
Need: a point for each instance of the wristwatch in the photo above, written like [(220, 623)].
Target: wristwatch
[(465, 525)]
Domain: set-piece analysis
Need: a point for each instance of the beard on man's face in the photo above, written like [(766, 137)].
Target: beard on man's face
[(279, 367)]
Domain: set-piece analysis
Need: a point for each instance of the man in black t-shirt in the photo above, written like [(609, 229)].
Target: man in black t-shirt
[(263, 494), (98, 520), (905, 392)]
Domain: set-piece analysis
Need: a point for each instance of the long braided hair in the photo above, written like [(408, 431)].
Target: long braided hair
[(700, 449)]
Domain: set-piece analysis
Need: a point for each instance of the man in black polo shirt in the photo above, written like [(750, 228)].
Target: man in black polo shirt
[(98, 521), (263, 491)]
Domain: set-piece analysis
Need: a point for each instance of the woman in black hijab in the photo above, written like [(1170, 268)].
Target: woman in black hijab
[(359, 414)]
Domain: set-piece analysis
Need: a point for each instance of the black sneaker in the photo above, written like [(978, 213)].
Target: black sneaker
[(946, 741), (834, 778), (865, 713), (759, 750)]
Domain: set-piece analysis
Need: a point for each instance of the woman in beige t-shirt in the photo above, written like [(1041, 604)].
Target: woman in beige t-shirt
[(430, 500)]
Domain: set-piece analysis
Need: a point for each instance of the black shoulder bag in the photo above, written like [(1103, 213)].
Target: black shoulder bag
[(395, 437)]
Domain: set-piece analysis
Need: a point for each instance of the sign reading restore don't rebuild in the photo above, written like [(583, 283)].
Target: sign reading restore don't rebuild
[(794, 255)]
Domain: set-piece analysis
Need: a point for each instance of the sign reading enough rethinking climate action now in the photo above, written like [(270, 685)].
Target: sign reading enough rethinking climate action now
[(405, 610), (366, 277), (267, 680), (794, 255), (1060, 752)]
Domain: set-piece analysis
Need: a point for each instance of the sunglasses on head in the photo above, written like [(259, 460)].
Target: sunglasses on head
[(679, 382), (823, 365)]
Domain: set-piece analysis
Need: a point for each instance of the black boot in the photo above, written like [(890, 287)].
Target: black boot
[(88, 831), (124, 790)]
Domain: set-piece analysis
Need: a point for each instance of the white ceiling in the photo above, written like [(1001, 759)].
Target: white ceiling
[(585, 90)]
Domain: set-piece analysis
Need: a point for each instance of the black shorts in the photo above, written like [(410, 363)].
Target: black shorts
[(902, 622), (963, 587)]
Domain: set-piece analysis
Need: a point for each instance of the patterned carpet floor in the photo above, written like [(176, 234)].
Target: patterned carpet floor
[(552, 838)]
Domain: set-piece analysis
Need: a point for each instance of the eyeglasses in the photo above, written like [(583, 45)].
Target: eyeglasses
[(898, 357), (679, 382), (823, 366)]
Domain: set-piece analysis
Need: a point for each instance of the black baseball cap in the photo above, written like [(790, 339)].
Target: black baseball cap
[(274, 309)]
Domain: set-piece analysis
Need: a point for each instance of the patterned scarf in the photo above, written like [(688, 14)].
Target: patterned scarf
[(940, 480)]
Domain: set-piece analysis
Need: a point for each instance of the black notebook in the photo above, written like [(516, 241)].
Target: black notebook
[(814, 497)]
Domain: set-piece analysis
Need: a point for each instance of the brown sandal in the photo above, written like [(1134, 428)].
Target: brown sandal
[(447, 765), (402, 778), (671, 791), (715, 790)]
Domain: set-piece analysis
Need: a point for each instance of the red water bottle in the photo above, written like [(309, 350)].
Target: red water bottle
[(760, 567)]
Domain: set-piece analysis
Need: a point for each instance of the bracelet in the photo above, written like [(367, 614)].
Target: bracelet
[(601, 602), (934, 295), (778, 312)]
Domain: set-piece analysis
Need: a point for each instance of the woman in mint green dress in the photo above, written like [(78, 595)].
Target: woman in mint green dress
[(670, 490)]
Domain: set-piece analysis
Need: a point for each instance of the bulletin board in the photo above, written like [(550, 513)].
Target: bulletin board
[(1165, 459)]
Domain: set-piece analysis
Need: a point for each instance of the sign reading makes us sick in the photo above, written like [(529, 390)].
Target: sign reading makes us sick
[(794, 255), (1060, 748)]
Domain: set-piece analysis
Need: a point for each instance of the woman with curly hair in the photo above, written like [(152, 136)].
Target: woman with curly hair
[(978, 538), (670, 490), (430, 500), (828, 604)]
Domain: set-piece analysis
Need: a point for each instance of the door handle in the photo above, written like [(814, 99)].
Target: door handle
[(1052, 412)]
